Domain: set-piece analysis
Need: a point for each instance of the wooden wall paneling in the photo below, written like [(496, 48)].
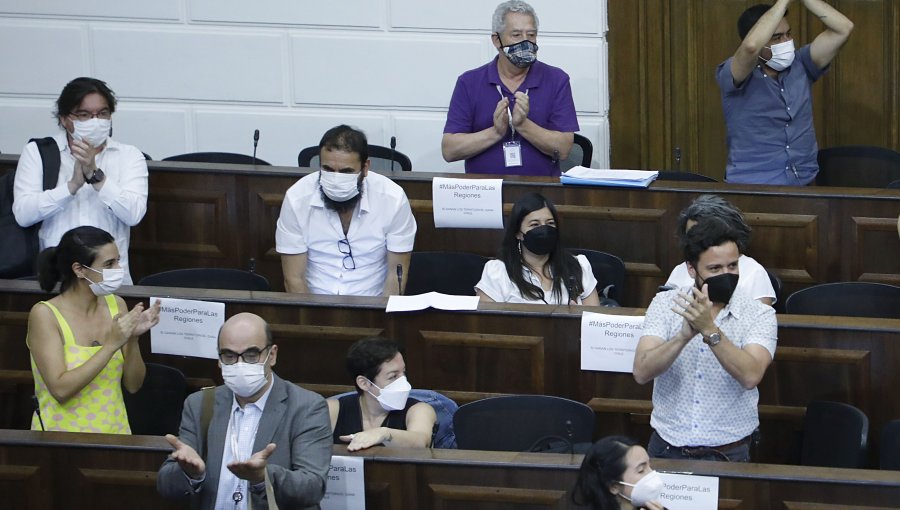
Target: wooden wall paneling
[(187, 226), (627, 72), (866, 238), (21, 485), (477, 362)]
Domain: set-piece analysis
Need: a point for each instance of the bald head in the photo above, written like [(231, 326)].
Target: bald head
[(243, 331)]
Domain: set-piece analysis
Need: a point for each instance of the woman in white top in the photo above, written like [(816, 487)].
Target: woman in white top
[(533, 267)]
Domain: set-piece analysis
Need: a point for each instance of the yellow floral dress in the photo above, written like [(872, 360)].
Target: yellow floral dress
[(98, 407)]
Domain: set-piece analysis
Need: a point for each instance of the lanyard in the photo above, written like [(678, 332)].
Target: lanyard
[(234, 439), (509, 111)]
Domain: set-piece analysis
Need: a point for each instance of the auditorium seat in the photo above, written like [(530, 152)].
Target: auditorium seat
[(229, 158), (521, 423), (454, 273), (581, 154), (667, 175), (889, 457), (850, 299), (861, 166), (155, 409), (379, 156), (208, 278), (834, 435), (609, 271)]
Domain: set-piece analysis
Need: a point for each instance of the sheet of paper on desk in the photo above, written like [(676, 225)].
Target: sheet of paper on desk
[(433, 300), (603, 177), (187, 328)]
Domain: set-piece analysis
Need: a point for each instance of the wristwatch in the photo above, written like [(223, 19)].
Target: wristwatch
[(713, 339), (96, 177)]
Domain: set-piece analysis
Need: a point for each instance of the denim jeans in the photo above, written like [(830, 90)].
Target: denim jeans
[(660, 449)]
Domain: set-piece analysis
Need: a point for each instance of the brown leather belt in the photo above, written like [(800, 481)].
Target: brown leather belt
[(694, 450)]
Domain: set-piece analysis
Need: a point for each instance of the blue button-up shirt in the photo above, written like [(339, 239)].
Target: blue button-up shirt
[(771, 138)]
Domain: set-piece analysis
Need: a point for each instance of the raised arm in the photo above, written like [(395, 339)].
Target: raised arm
[(837, 30), (759, 36)]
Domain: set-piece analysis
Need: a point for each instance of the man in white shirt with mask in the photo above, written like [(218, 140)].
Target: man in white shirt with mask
[(344, 230), (261, 428), (101, 183)]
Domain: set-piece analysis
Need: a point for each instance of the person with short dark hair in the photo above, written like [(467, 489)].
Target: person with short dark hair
[(616, 475), (706, 348), (533, 266), (753, 276), (515, 114), (84, 341), (767, 94), (344, 230), (381, 411), (261, 427), (101, 182)]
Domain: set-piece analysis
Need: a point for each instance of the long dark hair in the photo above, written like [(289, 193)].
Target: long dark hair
[(564, 268), (80, 245), (602, 467)]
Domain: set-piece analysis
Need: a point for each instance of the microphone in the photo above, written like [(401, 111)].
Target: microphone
[(37, 410), (393, 147), (400, 278), (555, 159), (677, 153), (255, 143), (252, 265), (570, 435)]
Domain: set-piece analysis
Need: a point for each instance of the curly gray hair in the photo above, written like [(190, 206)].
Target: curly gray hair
[(499, 21)]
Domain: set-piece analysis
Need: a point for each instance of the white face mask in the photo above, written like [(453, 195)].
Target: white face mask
[(393, 396), (339, 187), (112, 280), (649, 488), (245, 379), (94, 131), (782, 56)]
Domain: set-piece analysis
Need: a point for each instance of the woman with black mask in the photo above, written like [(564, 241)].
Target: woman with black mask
[(533, 266)]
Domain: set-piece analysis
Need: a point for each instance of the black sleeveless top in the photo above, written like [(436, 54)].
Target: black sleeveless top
[(349, 420)]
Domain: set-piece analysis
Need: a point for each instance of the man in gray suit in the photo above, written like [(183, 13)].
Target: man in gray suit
[(260, 425)]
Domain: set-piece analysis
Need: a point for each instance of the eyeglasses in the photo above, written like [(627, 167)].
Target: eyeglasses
[(84, 115), (344, 248), (251, 355)]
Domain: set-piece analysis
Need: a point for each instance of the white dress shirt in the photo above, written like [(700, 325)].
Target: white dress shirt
[(241, 433), (119, 205), (752, 278), (382, 222), (495, 283)]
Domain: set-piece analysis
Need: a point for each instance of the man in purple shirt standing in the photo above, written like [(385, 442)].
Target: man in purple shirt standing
[(513, 115), (766, 94)]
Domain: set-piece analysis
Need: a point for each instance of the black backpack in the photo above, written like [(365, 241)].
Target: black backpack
[(20, 245)]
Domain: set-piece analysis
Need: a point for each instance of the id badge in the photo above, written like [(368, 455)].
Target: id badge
[(512, 154)]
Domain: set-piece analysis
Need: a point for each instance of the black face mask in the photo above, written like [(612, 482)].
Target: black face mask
[(541, 240), (721, 287)]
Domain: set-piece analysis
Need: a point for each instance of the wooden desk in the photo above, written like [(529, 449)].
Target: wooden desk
[(46, 470), (212, 215), (527, 349)]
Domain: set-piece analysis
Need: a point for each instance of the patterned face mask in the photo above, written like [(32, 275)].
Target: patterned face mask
[(522, 54)]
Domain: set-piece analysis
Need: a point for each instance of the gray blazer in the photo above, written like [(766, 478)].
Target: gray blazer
[(296, 420)]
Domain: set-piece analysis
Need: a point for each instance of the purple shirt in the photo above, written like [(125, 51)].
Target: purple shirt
[(550, 106), (771, 138)]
